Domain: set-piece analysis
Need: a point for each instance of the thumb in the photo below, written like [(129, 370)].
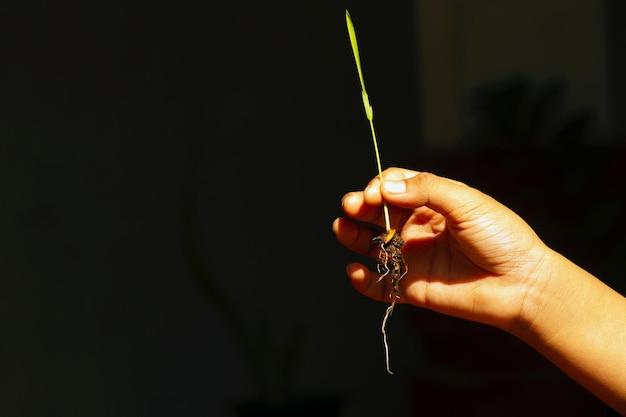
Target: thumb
[(408, 189)]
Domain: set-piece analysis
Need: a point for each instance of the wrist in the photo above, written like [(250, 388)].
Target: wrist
[(560, 296), (549, 295)]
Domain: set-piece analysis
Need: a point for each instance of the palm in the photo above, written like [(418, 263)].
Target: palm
[(454, 266)]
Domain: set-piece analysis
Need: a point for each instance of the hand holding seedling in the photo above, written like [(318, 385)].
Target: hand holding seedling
[(467, 255), (471, 257)]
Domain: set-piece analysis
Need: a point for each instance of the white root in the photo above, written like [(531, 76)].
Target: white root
[(387, 315)]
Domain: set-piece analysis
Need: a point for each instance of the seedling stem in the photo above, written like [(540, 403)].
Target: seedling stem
[(369, 111)]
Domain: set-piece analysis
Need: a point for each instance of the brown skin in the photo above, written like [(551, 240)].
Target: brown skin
[(471, 257)]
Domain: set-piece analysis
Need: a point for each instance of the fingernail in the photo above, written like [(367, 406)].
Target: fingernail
[(394, 187)]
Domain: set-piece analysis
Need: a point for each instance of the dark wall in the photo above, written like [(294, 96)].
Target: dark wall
[(616, 38), (125, 125)]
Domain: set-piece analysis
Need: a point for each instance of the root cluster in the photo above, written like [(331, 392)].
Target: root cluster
[(391, 265)]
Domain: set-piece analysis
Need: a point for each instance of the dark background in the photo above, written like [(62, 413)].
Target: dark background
[(169, 175)]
